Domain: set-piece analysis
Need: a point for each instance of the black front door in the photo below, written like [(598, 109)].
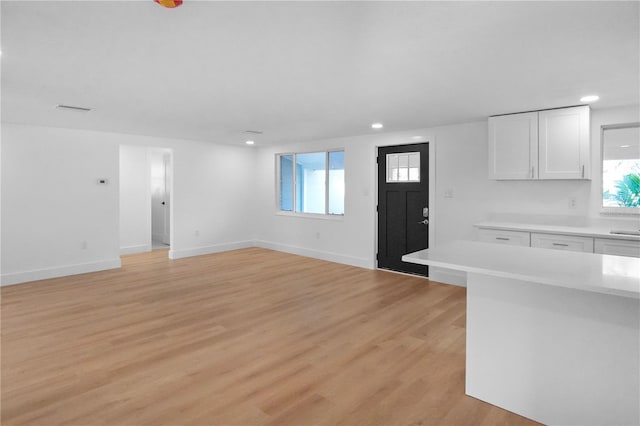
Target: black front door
[(403, 205)]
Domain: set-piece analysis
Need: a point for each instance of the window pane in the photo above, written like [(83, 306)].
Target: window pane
[(414, 174), (403, 174), (403, 167), (621, 167), (403, 161), (392, 167), (286, 182), (414, 167), (336, 182), (310, 182)]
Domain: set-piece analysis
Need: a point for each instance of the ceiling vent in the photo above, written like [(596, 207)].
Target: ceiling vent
[(254, 132), (73, 108)]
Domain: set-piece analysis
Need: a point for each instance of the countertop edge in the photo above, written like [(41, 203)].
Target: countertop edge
[(538, 279)]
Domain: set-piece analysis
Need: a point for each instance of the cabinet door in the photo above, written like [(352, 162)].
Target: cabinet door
[(513, 146), (564, 143), (617, 247), (498, 236), (562, 242)]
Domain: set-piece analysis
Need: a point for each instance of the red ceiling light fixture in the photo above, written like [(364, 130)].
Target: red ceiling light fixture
[(169, 3)]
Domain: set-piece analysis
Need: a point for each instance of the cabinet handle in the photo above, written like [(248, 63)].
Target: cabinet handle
[(561, 245), (531, 172), (583, 171), (503, 238)]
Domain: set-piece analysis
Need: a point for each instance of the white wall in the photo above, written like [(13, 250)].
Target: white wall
[(213, 198), (51, 202), (56, 219), (350, 239), (460, 169), (135, 200), (224, 196)]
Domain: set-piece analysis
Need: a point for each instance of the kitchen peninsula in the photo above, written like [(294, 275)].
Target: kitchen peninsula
[(551, 335)]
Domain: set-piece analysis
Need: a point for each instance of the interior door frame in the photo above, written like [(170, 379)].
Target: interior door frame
[(432, 193)]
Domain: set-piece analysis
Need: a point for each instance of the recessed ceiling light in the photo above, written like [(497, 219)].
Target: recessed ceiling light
[(589, 98), (377, 126), (249, 142), (625, 146)]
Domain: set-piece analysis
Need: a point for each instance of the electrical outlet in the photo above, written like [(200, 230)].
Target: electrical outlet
[(84, 245), (317, 235), (196, 233), (573, 203)]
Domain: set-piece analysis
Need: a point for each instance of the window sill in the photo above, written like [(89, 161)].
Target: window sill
[(619, 211), (336, 217)]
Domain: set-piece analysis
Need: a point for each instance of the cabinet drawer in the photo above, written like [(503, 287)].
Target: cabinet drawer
[(514, 238), (562, 242), (617, 247)]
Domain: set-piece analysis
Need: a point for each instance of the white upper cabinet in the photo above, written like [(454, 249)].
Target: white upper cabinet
[(564, 143), (513, 146), (550, 144)]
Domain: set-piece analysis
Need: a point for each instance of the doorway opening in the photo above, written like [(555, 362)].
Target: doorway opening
[(146, 175), (403, 206), (160, 175)]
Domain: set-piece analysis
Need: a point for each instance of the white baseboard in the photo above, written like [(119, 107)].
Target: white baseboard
[(448, 276), (20, 277), (317, 254), (135, 249), (216, 248), (58, 271)]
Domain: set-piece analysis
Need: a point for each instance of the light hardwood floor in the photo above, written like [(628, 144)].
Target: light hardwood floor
[(249, 337)]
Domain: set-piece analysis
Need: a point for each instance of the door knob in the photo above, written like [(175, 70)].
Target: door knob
[(424, 222)]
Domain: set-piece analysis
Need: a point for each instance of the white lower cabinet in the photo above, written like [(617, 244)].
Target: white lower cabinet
[(514, 238), (562, 242), (613, 246), (617, 247)]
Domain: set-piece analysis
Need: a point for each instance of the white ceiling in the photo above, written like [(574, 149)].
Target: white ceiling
[(308, 70)]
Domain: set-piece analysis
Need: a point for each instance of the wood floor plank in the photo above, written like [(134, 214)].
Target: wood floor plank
[(248, 337)]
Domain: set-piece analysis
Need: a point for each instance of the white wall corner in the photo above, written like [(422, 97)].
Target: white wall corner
[(317, 254), (448, 276), (58, 271), (216, 248)]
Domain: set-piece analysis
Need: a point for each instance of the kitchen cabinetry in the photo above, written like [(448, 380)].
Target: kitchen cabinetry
[(590, 240), (513, 146), (562, 242), (617, 247), (514, 238), (563, 143), (549, 144)]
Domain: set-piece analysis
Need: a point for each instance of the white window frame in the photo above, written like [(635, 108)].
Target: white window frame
[(613, 210), (293, 212)]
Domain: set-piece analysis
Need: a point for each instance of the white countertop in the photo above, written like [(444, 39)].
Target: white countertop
[(598, 273), (585, 231)]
